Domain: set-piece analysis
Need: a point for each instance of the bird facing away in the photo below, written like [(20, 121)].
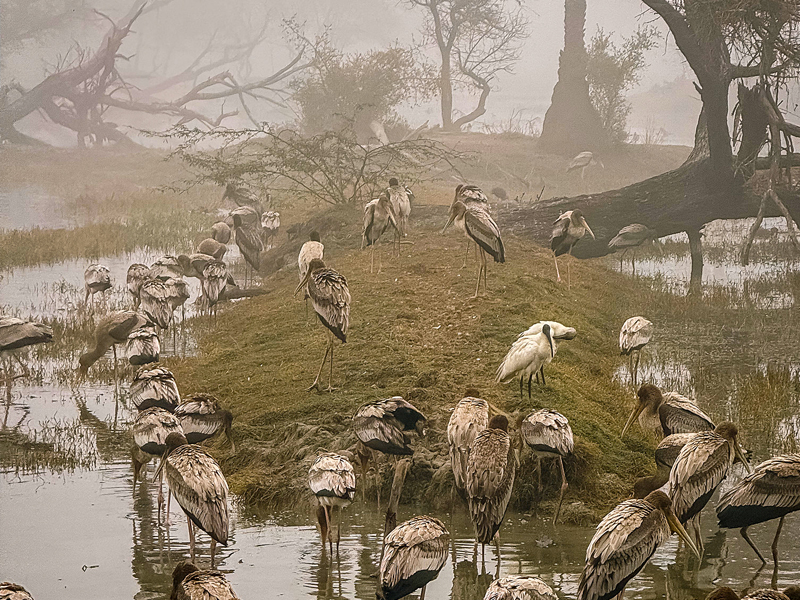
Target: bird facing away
[(490, 479), (469, 418), (177, 292), (190, 583), (143, 347), (771, 491), (212, 247), (13, 591), (333, 481), (215, 276), (154, 385), (166, 267), (248, 239), (470, 195), (624, 542), (96, 278), (667, 413), (533, 349), (312, 249), (202, 417), (221, 232), (150, 431), (415, 552), (378, 216), (270, 225), (725, 593), (634, 335), (478, 226), (155, 302), (136, 276), (701, 466), (583, 161), (519, 587), (568, 229), (16, 334), (330, 298), (549, 435), (632, 237), (398, 197), (112, 329), (197, 483)]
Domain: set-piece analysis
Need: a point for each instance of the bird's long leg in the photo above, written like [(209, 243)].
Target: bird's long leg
[(633, 263), (372, 259), (166, 514), (558, 275), (636, 369), (338, 530), (497, 549), (160, 495), (191, 537), (330, 378), (743, 532), (564, 486), (315, 385), (422, 593), (521, 381), (541, 370), (328, 524), (380, 257), (569, 268), (530, 377), (539, 473), (213, 551), (478, 286), (775, 542), (485, 269), (464, 266)]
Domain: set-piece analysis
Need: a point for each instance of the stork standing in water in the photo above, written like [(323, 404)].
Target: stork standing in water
[(330, 298), (568, 229), (415, 552), (625, 540), (143, 347), (699, 469), (667, 413), (202, 417), (631, 237), (666, 454), (478, 225), (583, 161), (96, 278), (248, 239), (549, 435), (221, 232), (470, 195), (136, 276), (378, 216), (771, 491), (16, 334), (533, 349), (270, 225), (333, 481), (519, 587), (312, 249), (197, 482), (490, 480), (112, 329), (215, 275), (154, 385), (634, 335), (190, 583), (155, 303), (469, 418)]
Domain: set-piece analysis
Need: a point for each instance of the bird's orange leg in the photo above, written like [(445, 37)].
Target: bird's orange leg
[(330, 378), (466, 256), (191, 537), (213, 551), (743, 532), (558, 275), (564, 486), (775, 543), (315, 385)]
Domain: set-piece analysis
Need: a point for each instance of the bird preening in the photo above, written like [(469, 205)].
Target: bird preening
[(568, 229)]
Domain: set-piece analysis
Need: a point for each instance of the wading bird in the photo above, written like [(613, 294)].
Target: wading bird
[(221, 232), (150, 431), (634, 335), (143, 347), (549, 435), (177, 294), (771, 491), (215, 276), (568, 229), (378, 216), (583, 161), (398, 197), (312, 249), (469, 418), (478, 225), (166, 267), (112, 329), (190, 583), (242, 197), (202, 417), (666, 453), (701, 466), (667, 413), (490, 479), (13, 591), (330, 298), (333, 481), (154, 385), (725, 593), (270, 225), (199, 486), (137, 275), (625, 540), (632, 237), (192, 265), (415, 552), (519, 587), (212, 247), (96, 278), (470, 195), (248, 239), (16, 334), (155, 303), (533, 349)]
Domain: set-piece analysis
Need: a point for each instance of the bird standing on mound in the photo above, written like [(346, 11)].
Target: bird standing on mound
[(471, 195), (378, 216), (568, 229), (634, 335)]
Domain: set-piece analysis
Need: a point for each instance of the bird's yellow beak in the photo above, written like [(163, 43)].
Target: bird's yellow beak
[(589, 229), (302, 283), (637, 410), (737, 449), (676, 527), (449, 221), (161, 464)]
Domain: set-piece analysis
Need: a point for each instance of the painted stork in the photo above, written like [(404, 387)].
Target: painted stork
[(270, 225), (150, 431), (378, 216), (668, 413), (212, 247), (469, 418), (215, 276), (199, 486), (112, 329), (583, 161), (221, 232), (632, 237), (415, 552), (190, 583), (698, 470), (470, 195), (623, 543), (248, 239), (16, 334), (533, 349), (549, 435), (13, 591), (143, 347), (177, 293), (330, 298), (136, 276), (166, 267), (192, 265), (398, 197), (568, 229), (478, 225), (312, 249), (771, 491), (202, 417), (154, 385), (96, 278), (155, 303), (490, 479), (242, 197), (519, 587), (634, 335), (666, 453), (333, 481)]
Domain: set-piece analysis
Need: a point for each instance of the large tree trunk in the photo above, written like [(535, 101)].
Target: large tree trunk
[(446, 85), (571, 124)]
